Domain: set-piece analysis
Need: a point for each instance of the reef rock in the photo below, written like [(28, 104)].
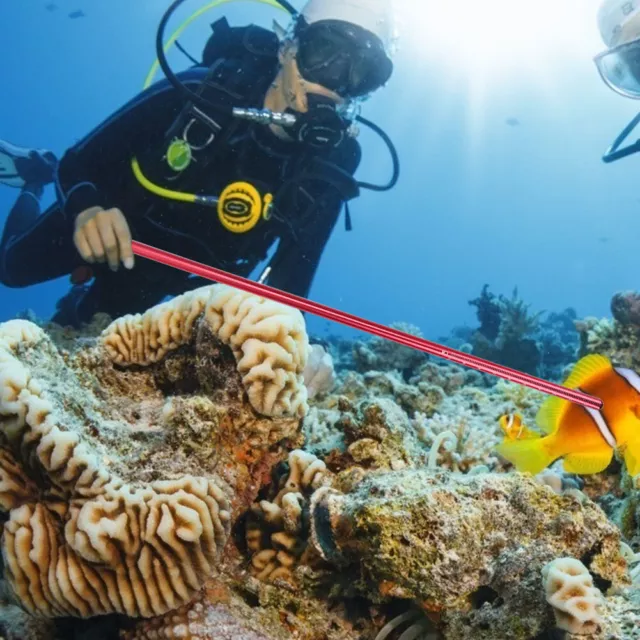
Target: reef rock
[(380, 354), (625, 307), (617, 338), (468, 549)]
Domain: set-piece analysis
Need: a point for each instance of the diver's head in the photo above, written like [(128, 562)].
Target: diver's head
[(619, 64), (336, 49)]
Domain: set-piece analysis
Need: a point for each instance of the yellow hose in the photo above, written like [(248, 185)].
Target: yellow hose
[(159, 191), (178, 32)]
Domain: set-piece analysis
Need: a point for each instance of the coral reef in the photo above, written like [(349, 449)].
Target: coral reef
[(205, 473), (511, 335), (617, 338), (377, 435), (268, 340), (78, 540), (466, 443), (467, 548), (489, 312), (559, 341), (276, 531), (102, 515), (625, 307), (378, 354), (200, 620), (506, 332)]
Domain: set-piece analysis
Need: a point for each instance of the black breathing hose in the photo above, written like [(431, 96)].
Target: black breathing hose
[(191, 96), (394, 158)]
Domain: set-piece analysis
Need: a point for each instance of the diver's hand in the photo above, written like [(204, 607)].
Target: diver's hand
[(103, 234)]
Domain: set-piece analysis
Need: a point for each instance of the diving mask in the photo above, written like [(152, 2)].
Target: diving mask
[(341, 57), (620, 68)]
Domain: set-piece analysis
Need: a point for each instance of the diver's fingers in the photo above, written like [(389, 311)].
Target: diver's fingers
[(106, 230), (82, 245), (80, 237), (123, 234), (90, 230)]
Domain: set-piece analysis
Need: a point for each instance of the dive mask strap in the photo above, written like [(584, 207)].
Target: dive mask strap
[(614, 152)]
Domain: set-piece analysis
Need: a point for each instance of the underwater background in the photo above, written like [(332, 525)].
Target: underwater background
[(500, 131), (208, 474)]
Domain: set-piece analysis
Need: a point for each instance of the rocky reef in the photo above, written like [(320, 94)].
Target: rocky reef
[(617, 337), (201, 471)]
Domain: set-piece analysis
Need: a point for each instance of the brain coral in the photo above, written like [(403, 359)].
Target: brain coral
[(78, 540), (120, 457), (269, 342)]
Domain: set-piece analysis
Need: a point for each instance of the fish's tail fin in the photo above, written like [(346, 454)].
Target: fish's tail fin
[(530, 455), (631, 456)]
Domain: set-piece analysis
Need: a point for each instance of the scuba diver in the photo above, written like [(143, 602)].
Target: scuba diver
[(251, 146), (619, 64)]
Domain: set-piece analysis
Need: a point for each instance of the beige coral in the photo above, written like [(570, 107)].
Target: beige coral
[(570, 591), (275, 533), (269, 342), (79, 541), (319, 374)]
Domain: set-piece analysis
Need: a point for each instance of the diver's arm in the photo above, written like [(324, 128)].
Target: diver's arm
[(108, 149), (294, 265)]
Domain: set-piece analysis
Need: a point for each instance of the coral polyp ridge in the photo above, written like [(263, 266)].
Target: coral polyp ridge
[(207, 470)]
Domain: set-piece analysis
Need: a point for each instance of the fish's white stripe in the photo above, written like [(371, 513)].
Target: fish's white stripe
[(510, 422), (598, 418), (631, 377)]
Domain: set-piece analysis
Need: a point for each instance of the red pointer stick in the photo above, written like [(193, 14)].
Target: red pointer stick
[(432, 348)]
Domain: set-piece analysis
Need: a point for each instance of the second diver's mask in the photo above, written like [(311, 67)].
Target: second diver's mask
[(619, 68)]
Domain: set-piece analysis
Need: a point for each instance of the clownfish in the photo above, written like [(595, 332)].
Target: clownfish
[(514, 429), (584, 438)]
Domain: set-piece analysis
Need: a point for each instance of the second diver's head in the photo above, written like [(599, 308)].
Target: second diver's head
[(338, 50), (619, 64)]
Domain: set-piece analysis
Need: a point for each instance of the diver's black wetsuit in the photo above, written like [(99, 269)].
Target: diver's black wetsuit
[(309, 189)]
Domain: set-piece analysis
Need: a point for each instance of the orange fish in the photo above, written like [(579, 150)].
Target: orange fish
[(514, 429), (584, 438)]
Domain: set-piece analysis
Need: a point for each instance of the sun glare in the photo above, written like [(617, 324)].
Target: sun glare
[(493, 39)]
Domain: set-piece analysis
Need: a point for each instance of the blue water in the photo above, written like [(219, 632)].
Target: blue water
[(482, 198)]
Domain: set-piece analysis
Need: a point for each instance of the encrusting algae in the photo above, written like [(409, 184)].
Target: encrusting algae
[(206, 473)]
